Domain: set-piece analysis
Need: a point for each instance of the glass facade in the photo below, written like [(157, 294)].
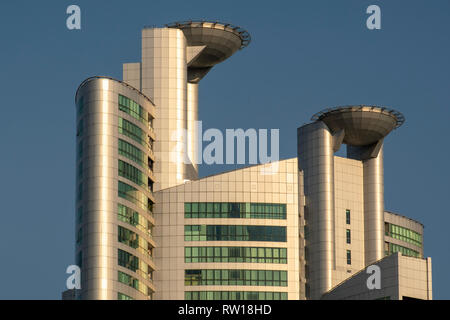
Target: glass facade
[(134, 219), (234, 295), (131, 262), (234, 233), (391, 248), (121, 296), (132, 173), (132, 108), (133, 240), (403, 234), (135, 196), (235, 277), (134, 283), (235, 254), (131, 152), (234, 210), (132, 131)]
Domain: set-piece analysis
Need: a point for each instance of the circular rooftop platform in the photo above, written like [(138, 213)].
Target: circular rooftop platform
[(222, 40), (363, 125)]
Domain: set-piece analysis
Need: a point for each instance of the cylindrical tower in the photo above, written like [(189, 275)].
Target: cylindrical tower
[(373, 203), (164, 78), (114, 200), (174, 60), (315, 159), (192, 132)]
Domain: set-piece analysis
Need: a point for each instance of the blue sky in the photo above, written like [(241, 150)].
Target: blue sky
[(304, 56)]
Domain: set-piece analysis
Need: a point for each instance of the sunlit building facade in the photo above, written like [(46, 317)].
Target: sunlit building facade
[(148, 227)]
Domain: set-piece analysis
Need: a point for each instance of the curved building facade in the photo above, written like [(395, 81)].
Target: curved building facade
[(402, 234), (114, 190)]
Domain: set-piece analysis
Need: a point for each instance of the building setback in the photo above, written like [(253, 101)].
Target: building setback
[(147, 227)]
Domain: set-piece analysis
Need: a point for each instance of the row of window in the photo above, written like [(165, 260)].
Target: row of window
[(403, 234), (132, 173), (122, 296), (234, 277), (131, 131), (134, 219), (133, 263), (234, 233), (132, 108), (234, 210), (234, 295), (235, 254), (135, 196), (131, 152), (134, 241), (134, 283), (391, 248)]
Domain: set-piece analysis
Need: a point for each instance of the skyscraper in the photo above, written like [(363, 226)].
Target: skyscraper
[(303, 228)]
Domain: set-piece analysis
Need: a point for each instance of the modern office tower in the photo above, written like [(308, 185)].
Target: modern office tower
[(114, 202), (308, 227)]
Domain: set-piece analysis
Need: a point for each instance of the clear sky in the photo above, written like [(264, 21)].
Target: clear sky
[(304, 56)]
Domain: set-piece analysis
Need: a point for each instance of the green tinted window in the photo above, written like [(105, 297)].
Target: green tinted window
[(134, 241), (232, 277), (393, 248), (121, 296), (132, 108), (235, 254), (132, 173), (131, 152), (235, 210), (403, 234), (134, 283), (135, 196), (234, 233), (234, 295), (132, 131), (133, 218), (131, 262)]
